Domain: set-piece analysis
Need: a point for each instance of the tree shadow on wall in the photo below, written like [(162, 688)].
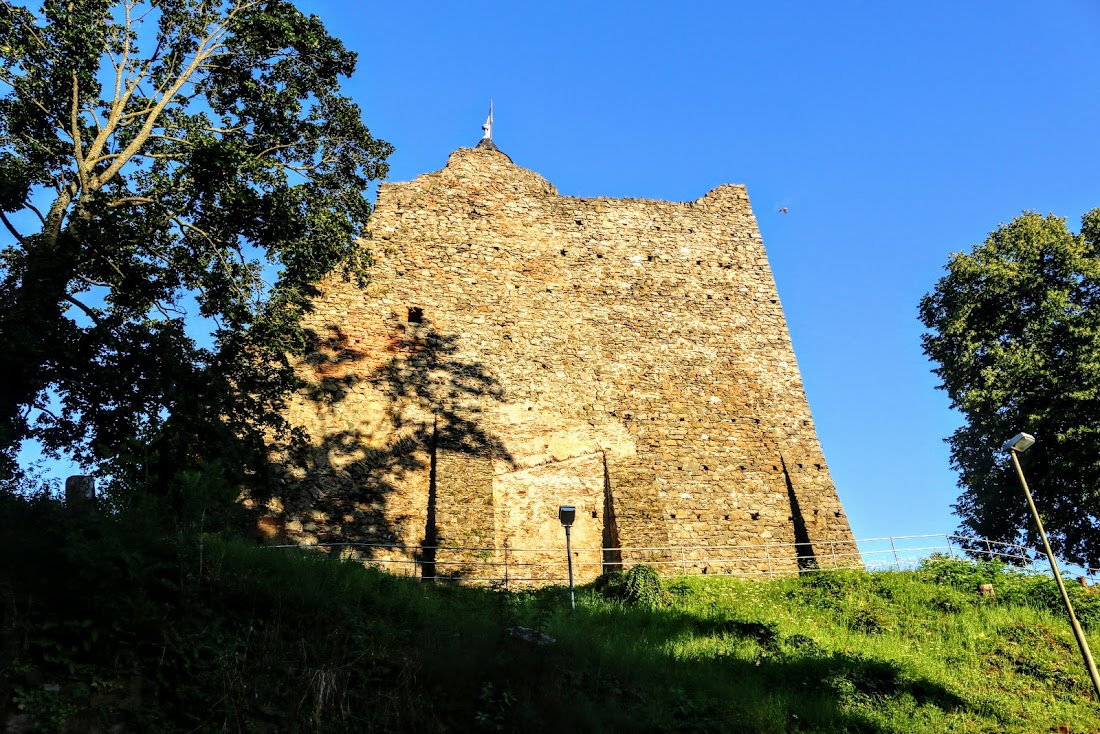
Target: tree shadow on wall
[(382, 415)]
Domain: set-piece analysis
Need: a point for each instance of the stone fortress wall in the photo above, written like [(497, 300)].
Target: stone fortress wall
[(517, 350)]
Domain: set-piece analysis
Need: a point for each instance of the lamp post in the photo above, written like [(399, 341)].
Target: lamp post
[(1018, 444), (568, 513)]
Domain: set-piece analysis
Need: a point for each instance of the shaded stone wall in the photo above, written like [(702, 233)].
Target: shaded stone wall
[(518, 349)]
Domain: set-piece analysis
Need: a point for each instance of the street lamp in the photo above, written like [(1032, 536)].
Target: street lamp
[(568, 513), (1016, 445)]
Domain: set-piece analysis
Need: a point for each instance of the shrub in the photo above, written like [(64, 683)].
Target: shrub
[(610, 585), (642, 586), (827, 589), (959, 572)]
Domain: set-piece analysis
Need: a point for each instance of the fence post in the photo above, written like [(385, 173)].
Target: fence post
[(768, 555), (897, 561), (683, 561), (988, 550), (950, 548), (832, 546), (505, 566)]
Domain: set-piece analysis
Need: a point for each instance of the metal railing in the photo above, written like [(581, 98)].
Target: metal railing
[(535, 566)]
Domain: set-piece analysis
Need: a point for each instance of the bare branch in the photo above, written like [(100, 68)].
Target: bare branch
[(14, 232), (39, 406), (87, 311), (89, 281), (95, 118), (137, 113), (34, 209), (165, 156), (116, 268), (131, 200), (275, 148), (157, 305)]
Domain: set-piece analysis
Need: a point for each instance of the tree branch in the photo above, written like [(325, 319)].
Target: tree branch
[(34, 209), (131, 200), (87, 311), (204, 50), (14, 232), (78, 146), (33, 31), (217, 253)]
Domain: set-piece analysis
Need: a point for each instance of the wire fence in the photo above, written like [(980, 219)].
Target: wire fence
[(506, 566)]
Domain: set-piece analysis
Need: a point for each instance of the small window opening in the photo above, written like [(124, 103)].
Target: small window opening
[(416, 315), (599, 255), (754, 515), (594, 514), (563, 253), (726, 517), (673, 516)]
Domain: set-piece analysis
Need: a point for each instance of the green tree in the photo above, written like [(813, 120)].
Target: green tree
[(1015, 330), (168, 168)]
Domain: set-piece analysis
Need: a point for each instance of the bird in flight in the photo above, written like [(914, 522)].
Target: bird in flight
[(782, 210)]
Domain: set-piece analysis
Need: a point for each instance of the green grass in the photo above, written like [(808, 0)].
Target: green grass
[(104, 627)]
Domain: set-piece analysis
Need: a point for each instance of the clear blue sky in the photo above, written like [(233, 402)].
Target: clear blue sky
[(895, 134)]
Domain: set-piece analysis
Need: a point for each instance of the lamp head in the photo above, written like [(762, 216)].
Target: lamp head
[(1019, 443), (567, 513)]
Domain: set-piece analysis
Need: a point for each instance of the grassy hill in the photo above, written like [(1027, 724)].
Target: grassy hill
[(104, 626)]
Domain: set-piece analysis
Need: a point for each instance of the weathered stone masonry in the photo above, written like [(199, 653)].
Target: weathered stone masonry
[(517, 350)]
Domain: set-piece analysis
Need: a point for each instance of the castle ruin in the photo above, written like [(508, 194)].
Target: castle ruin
[(517, 350)]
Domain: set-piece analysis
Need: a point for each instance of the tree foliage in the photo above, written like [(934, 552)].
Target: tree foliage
[(166, 165), (1015, 330)]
